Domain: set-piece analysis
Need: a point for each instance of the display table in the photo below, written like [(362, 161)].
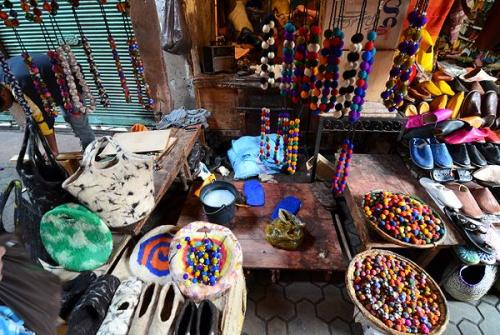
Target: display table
[(389, 173), (320, 250), (168, 167)]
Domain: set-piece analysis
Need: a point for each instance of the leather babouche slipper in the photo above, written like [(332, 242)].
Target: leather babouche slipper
[(421, 153), (471, 105), (428, 118), (207, 319), (488, 175), (484, 198), (474, 232), (459, 155), (442, 194), (442, 175), (476, 157), (186, 321), (143, 313), (440, 154), (466, 135), (470, 206), (463, 176), (490, 151), (168, 306), (442, 128), (489, 107), (73, 291)]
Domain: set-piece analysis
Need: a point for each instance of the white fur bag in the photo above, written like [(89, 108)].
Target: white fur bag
[(119, 189)]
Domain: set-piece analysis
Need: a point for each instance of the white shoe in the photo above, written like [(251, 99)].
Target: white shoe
[(169, 302), (122, 308), (143, 313), (441, 194)]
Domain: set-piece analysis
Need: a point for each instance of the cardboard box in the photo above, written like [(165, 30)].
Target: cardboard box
[(390, 25)]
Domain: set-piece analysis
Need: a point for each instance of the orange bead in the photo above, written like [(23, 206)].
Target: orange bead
[(316, 92), (304, 94), (313, 106)]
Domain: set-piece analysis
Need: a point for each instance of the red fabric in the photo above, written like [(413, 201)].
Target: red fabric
[(436, 14)]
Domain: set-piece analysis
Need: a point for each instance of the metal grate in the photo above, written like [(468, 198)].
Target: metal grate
[(120, 112)]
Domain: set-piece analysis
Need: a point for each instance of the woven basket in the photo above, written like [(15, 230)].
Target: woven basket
[(441, 300), (389, 238)]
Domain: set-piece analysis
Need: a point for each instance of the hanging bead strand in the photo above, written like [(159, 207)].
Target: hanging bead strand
[(293, 145), (265, 129), (288, 54), (14, 84), (268, 54), (339, 180)]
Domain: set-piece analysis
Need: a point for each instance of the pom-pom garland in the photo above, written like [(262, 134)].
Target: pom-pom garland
[(339, 181), (310, 71), (397, 85), (293, 145), (287, 65), (49, 106), (299, 89), (268, 54), (61, 81), (349, 75), (265, 129)]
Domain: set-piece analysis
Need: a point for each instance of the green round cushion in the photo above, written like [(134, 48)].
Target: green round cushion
[(76, 237)]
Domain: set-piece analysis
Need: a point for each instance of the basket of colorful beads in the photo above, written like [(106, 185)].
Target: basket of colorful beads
[(403, 219), (205, 260), (396, 295)]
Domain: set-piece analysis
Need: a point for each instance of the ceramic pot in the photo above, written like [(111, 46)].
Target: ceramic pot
[(469, 282)]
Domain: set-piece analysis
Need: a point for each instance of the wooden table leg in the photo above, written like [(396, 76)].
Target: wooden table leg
[(426, 257)]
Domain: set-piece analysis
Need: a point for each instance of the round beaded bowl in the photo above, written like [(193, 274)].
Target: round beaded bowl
[(423, 308), (205, 260), (411, 223)]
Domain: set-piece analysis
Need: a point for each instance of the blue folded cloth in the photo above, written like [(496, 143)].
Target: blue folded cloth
[(290, 203), (254, 193), (11, 324), (245, 161)]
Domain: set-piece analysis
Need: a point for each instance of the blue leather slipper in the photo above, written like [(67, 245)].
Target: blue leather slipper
[(421, 153), (254, 193), (440, 154)]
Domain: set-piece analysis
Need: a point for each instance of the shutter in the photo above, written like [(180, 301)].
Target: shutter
[(120, 113)]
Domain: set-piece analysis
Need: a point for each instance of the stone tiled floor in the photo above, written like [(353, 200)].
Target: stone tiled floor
[(300, 303)]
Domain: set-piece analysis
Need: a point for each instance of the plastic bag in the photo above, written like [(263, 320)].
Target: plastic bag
[(286, 232), (175, 34)]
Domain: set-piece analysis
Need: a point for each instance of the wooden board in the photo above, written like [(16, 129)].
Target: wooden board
[(388, 173), (139, 142), (170, 166), (319, 251)]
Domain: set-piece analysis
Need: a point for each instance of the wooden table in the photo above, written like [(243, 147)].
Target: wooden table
[(389, 173), (169, 167), (319, 251)]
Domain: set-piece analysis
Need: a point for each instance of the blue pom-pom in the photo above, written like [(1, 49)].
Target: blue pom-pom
[(372, 36)]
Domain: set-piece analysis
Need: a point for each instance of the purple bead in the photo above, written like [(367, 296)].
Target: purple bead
[(422, 20), (405, 75), (413, 17), (365, 86), (392, 109), (357, 99), (398, 98), (325, 91), (336, 76), (412, 49), (403, 46), (288, 35), (364, 66), (395, 71)]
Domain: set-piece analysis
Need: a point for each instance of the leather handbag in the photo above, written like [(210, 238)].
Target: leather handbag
[(26, 222), (119, 189), (40, 173)]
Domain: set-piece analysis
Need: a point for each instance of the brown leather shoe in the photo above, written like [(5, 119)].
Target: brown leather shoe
[(471, 105), (489, 108), (470, 206), (484, 198)]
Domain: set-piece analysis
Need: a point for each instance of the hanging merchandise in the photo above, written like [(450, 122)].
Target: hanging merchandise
[(298, 74), (397, 85), (293, 145), (143, 91), (14, 84), (339, 181), (287, 65), (120, 191), (311, 62), (116, 55), (9, 15), (282, 135), (265, 129), (103, 96), (268, 54), (367, 59), (352, 64)]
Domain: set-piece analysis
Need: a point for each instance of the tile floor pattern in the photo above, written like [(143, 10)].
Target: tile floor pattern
[(302, 303)]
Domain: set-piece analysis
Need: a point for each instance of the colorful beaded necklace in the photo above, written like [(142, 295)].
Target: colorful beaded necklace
[(116, 55), (293, 145), (9, 15), (367, 59), (268, 54), (312, 56), (339, 180), (300, 91), (94, 70), (265, 129), (16, 88), (282, 134), (288, 54), (397, 85), (143, 91)]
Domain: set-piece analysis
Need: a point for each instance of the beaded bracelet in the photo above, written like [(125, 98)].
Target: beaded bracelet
[(267, 60), (16, 88), (293, 145), (397, 85), (61, 81), (287, 65), (103, 95), (312, 56), (49, 106), (339, 180), (265, 129)]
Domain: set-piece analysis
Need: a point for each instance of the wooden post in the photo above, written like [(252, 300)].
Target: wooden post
[(146, 26)]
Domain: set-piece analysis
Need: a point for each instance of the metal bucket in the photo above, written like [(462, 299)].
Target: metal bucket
[(221, 214)]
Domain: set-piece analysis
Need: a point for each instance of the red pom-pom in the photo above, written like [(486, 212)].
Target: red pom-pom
[(302, 31), (335, 92), (336, 61), (299, 56), (295, 100), (315, 30), (369, 45), (360, 83), (322, 107)]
